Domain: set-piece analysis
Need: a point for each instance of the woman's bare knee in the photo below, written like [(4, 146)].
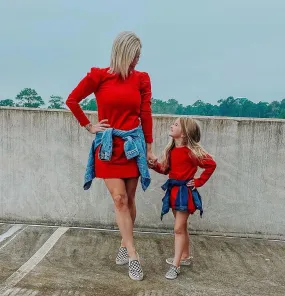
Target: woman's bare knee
[(120, 201), (117, 189)]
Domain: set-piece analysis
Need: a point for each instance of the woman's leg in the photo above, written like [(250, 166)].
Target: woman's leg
[(131, 187), (180, 238), (186, 249), (117, 189)]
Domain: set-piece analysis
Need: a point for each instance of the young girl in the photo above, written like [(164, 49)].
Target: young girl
[(181, 159)]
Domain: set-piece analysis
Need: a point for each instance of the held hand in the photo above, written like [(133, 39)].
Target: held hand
[(152, 164), (191, 183), (99, 127), (151, 159)]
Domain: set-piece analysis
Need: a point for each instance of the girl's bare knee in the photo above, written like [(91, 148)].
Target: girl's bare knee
[(180, 230)]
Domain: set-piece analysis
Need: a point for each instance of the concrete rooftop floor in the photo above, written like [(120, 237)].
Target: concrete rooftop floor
[(55, 261)]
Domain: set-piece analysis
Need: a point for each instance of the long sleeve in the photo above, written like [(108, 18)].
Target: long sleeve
[(209, 166), (160, 169), (85, 87), (146, 112)]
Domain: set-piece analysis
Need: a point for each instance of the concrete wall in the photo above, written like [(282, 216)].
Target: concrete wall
[(44, 152)]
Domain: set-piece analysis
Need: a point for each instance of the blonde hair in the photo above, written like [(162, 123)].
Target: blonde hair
[(192, 135), (125, 48)]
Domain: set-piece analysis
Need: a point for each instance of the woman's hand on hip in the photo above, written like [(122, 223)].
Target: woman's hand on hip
[(99, 127)]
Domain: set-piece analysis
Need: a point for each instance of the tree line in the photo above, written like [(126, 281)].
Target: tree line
[(230, 106)]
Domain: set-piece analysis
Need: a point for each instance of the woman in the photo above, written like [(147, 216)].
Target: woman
[(124, 106)]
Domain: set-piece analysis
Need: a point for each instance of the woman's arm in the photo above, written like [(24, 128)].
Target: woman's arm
[(85, 87), (146, 113)]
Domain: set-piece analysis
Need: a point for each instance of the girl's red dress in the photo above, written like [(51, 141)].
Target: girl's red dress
[(183, 166)]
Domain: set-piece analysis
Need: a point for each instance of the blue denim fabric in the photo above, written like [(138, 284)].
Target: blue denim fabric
[(181, 201), (134, 146)]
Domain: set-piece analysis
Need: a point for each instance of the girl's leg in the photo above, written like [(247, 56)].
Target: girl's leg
[(180, 238), (117, 189), (186, 249), (131, 187)]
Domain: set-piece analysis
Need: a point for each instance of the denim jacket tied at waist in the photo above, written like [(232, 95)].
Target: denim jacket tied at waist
[(134, 146), (181, 201)]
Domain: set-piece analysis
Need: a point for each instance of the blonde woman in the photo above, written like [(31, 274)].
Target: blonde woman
[(123, 141), (181, 159)]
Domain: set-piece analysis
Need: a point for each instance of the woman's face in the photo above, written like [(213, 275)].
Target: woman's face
[(135, 61)]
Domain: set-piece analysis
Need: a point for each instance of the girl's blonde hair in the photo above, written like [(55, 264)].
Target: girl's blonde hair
[(126, 47), (192, 136)]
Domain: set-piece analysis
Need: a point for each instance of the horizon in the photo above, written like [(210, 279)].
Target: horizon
[(193, 51)]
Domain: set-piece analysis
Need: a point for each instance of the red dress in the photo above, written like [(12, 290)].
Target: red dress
[(125, 103), (183, 166)]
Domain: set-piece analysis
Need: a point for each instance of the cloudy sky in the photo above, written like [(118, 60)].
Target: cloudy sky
[(206, 49)]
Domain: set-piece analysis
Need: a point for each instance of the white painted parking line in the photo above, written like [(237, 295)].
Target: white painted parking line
[(15, 292), (20, 292), (17, 233), (153, 293), (67, 293), (18, 275), (10, 232)]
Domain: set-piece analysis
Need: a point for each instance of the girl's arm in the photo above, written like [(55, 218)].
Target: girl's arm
[(209, 166), (159, 168)]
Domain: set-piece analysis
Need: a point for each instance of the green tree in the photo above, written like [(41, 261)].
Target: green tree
[(180, 110), (274, 109), (28, 97), (233, 107), (167, 107), (188, 110), (172, 106), (206, 109), (262, 110), (56, 102), (282, 114), (89, 104), (245, 107), (282, 109), (228, 107), (7, 102), (157, 106)]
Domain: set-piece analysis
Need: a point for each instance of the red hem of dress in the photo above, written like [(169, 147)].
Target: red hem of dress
[(116, 176)]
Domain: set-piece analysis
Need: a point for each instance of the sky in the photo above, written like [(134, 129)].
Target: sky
[(206, 49)]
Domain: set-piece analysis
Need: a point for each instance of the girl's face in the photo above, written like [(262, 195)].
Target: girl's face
[(176, 130)]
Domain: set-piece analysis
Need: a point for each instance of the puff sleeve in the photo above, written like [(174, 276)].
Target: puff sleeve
[(146, 112), (88, 85)]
